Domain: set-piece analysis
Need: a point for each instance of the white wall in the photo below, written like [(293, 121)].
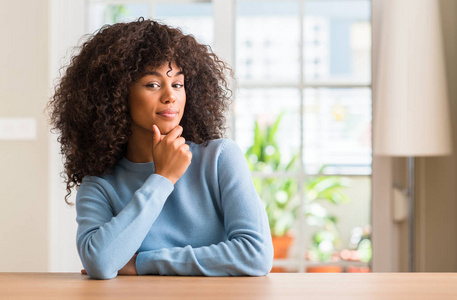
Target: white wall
[(37, 228), (66, 31), (24, 171)]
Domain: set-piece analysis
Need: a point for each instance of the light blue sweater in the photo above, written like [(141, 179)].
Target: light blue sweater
[(211, 222)]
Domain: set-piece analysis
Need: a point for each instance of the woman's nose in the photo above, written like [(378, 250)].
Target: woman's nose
[(168, 96)]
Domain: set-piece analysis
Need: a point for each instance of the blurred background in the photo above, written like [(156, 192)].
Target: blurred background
[(303, 106)]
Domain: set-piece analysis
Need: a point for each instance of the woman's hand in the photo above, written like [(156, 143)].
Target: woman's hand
[(129, 268), (170, 153)]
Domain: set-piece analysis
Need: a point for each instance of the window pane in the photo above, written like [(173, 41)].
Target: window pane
[(267, 41), (192, 18), (100, 13), (337, 35), (337, 125), (332, 235), (265, 106)]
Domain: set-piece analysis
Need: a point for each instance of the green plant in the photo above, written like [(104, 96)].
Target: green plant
[(320, 190), (280, 195)]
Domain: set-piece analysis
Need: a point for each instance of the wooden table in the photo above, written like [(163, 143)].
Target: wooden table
[(274, 286)]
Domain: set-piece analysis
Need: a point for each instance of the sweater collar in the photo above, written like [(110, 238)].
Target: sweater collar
[(137, 167)]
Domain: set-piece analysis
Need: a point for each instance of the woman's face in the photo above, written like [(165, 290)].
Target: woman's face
[(157, 98)]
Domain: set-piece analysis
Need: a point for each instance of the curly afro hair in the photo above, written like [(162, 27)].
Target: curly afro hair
[(90, 110)]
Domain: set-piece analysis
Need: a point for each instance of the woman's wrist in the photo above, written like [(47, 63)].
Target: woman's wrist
[(172, 179)]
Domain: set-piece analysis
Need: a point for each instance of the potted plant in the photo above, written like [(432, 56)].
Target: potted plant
[(326, 239), (280, 195)]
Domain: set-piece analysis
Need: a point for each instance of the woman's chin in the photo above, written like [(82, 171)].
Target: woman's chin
[(166, 128)]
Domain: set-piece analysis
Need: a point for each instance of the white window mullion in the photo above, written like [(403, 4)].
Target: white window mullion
[(301, 218), (224, 45)]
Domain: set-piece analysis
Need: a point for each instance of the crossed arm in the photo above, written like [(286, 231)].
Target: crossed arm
[(107, 244)]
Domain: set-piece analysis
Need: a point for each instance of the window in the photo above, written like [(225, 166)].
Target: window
[(307, 65), (303, 92)]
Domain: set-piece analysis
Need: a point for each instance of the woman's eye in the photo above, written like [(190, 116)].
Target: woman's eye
[(152, 85), (178, 85)]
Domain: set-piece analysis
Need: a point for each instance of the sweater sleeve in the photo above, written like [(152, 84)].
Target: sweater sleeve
[(248, 250), (106, 242)]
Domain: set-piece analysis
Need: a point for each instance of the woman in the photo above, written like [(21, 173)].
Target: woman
[(140, 111)]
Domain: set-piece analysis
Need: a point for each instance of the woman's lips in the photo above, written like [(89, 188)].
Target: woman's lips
[(168, 113)]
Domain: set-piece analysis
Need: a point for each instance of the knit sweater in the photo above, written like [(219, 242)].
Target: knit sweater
[(211, 222)]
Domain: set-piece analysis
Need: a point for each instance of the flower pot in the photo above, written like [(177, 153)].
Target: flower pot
[(356, 269), (281, 245), (324, 269)]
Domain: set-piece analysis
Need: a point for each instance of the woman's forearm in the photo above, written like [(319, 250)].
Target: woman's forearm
[(107, 242)]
